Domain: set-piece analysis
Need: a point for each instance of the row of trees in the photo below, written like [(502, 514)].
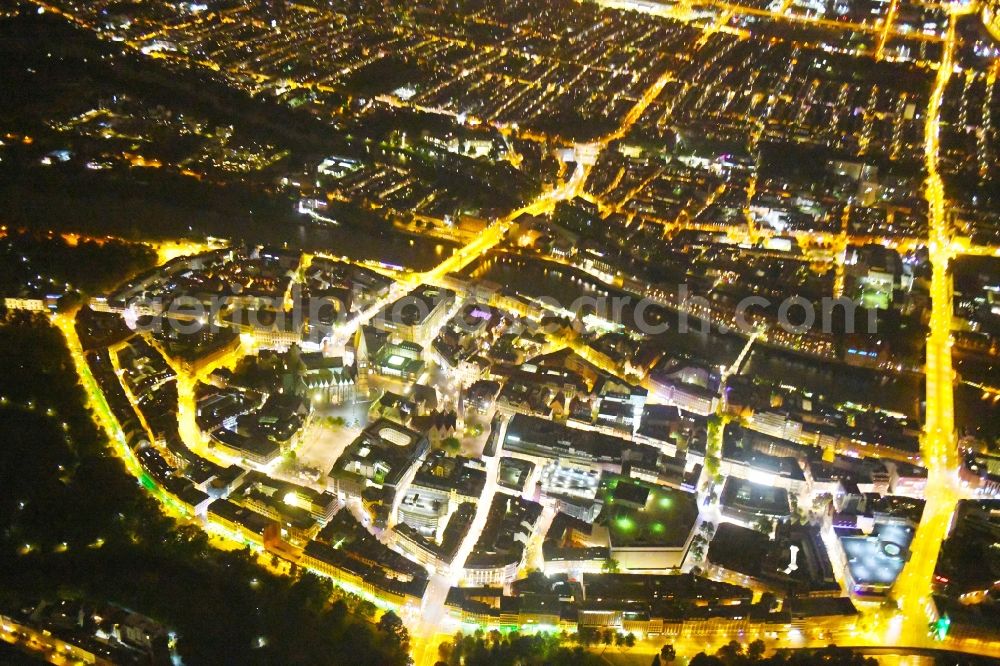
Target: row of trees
[(701, 540), (735, 653), (496, 648)]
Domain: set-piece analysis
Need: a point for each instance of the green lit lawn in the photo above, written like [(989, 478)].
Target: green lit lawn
[(666, 518)]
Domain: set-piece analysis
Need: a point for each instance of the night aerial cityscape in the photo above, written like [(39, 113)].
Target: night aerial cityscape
[(481, 332)]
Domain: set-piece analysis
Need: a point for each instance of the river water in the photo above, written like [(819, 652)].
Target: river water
[(137, 216), (839, 382)]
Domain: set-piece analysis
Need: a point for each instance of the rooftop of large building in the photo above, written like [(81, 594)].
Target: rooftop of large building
[(639, 514), (378, 577), (256, 446), (794, 561), (877, 559), (413, 308), (451, 538), (238, 515), (535, 436), (754, 498), (969, 559), (346, 534), (745, 447), (509, 524), (381, 453), (656, 587), (442, 472)]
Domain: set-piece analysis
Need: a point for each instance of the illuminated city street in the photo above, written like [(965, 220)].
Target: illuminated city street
[(615, 332)]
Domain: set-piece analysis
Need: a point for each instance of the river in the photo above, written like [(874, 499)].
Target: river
[(839, 382), (135, 214)]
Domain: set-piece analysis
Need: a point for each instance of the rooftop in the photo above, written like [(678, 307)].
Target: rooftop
[(877, 559), (441, 472), (543, 438), (747, 496), (644, 514), (382, 453)]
